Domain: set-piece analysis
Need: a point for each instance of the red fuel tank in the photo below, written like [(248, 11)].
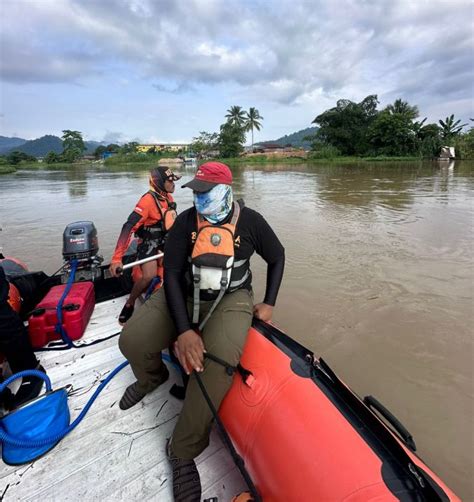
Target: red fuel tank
[(77, 310)]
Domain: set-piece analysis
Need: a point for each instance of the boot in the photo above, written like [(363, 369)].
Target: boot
[(133, 395), (186, 480)]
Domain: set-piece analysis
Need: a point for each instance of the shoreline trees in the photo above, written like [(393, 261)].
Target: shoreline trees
[(360, 129)]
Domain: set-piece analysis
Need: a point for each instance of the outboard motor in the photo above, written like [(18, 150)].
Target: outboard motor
[(80, 243)]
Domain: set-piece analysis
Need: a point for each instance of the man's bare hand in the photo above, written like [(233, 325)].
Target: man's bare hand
[(263, 311), (190, 351), (113, 269)]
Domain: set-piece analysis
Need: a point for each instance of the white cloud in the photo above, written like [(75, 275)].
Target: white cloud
[(290, 52)]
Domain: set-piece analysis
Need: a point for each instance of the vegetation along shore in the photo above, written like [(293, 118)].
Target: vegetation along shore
[(347, 133)]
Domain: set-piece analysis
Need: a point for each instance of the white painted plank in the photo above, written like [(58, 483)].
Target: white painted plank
[(95, 463), (226, 487)]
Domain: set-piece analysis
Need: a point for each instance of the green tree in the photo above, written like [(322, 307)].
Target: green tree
[(465, 144), (15, 157), (204, 143), (401, 107), (450, 128), (52, 158), (73, 145), (236, 115), (112, 147), (99, 151), (129, 148), (231, 139), (345, 126), (252, 121), (418, 128), (429, 138), (392, 134)]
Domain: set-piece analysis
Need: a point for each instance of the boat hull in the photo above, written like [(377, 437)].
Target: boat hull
[(305, 436)]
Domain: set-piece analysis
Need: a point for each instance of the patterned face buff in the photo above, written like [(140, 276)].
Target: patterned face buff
[(214, 205)]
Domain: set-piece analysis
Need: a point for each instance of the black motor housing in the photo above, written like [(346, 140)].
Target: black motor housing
[(80, 241)]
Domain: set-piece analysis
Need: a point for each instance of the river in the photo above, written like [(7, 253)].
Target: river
[(379, 277)]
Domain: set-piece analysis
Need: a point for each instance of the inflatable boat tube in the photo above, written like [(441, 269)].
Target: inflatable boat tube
[(305, 436)]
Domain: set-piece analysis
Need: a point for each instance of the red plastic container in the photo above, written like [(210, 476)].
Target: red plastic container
[(77, 310)]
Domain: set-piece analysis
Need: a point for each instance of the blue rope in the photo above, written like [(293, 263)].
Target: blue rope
[(154, 282), (5, 437), (59, 308), (35, 373)]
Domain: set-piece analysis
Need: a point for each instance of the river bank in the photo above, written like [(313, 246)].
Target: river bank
[(134, 163)]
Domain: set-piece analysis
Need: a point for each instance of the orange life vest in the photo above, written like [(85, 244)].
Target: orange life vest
[(14, 298), (13, 267), (168, 216), (212, 260), (163, 225)]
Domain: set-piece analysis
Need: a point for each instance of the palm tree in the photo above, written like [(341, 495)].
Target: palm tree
[(403, 108), (418, 127), (235, 115), (252, 121), (450, 128)]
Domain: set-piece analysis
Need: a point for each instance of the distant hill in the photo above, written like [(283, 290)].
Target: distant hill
[(92, 145), (8, 143), (42, 146), (295, 139)]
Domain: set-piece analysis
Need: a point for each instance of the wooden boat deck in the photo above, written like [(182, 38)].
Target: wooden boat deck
[(113, 454)]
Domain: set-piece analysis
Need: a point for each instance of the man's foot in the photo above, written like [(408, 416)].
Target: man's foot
[(186, 481), (126, 313), (134, 395), (29, 389), (131, 396)]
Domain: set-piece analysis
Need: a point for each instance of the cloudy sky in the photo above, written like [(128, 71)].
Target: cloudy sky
[(163, 70)]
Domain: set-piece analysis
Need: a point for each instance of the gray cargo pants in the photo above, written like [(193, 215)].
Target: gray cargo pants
[(151, 329)]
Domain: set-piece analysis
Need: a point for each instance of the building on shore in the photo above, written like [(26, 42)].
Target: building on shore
[(275, 150), (163, 147)]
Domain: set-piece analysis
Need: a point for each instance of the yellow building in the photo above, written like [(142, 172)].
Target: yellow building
[(163, 147)]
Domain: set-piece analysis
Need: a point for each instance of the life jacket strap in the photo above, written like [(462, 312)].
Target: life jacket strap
[(236, 284), (196, 298), (225, 274)]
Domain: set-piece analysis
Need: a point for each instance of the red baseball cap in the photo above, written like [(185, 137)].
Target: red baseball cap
[(209, 175)]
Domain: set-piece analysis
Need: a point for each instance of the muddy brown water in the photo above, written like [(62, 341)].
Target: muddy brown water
[(379, 276)]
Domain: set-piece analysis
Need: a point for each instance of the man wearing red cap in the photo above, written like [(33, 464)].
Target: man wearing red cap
[(207, 306)]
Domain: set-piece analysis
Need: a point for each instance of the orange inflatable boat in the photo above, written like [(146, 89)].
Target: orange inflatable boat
[(305, 436)]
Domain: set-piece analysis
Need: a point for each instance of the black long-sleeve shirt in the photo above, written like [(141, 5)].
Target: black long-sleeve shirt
[(252, 234)]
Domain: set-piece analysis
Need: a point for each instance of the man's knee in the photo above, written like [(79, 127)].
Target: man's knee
[(125, 343), (148, 276)]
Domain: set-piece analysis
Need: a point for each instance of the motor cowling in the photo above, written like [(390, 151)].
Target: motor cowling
[(80, 242)]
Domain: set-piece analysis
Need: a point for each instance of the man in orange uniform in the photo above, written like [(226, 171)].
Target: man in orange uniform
[(151, 219)]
